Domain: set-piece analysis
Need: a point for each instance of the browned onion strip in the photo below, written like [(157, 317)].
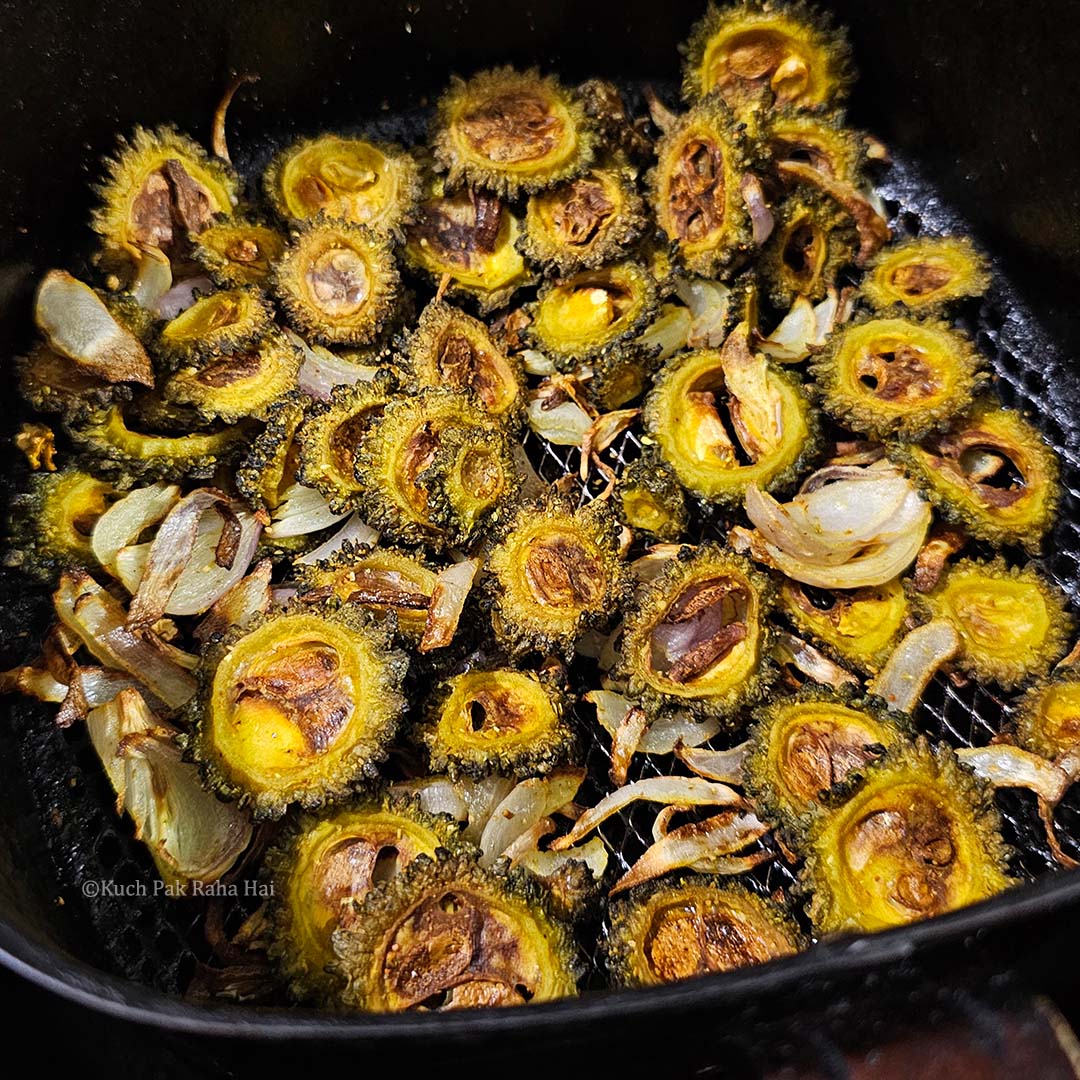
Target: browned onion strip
[(229, 542), (811, 662), (669, 790), (1004, 765), (700, 845), (914, 662), (723, 766), (529, 840), (170, 553), (218, 142), (250, 596), (1046, 814), (99, 620), (661, 736), (448, 597), (761, 217), (625, 741), (943, 542)]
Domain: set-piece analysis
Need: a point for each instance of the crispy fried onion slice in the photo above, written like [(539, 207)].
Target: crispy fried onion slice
[(914, 662), (710, 847), (723, 766), (789, 650), (663, 735), (192, 835), (848, 528), (668, 790)]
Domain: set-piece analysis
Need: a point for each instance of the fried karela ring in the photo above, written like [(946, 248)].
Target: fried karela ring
[(650, 498), (860, 627), (926, 273), (671, 930), (119, 451), (223, 322), (354, 180), (470, 238), (445, 934), (791, 50), (329, 439), (159, 188), (1048, 720), (695, 188), (298, 706), (822, 140), (813, 240), (51, 383), (381, 579), (402, 497), (1012, 622), (897, 376), (234, 251), (698, 638), (450, 348), (238, 384), (803, 746), (618, 377), (990, 472), (323, 866), (51, 522), (269, 466), (470, 481), (593, 312), (584, 223), (687, 415), (919, 836), (555, 573), (338, 282), (503, 721), (511, 132)]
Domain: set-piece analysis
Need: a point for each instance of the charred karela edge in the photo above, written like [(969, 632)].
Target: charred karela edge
[(492, 282), (968, 804), (186, 339), (123, 455), (835, 243), (471, 482), (387, 476), (823, 49), (522, 621), (51, 383), (218, 250), (824, 139), (529, 753), (127, 172), (1037, 728), (319, 239), (264, 471), (651, 499), (1002, 431), (334, 771), (362, 951), (958, 270), (870, 645), (762, 923), (552, 316), (614, 229), (302, 951), (571, 156), (755, 673), (723, 243), (399, 201), (574, 894), (764, 780), (411, 565), (776, 472), (1019, 657), (51, 521), (499, 383), (235, 385), (945, 355), (330, 437)]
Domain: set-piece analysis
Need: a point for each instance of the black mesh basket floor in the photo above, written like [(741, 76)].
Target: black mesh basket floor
[(161, 942)]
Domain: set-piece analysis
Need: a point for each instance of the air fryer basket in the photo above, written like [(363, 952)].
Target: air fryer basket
[(57, 829)]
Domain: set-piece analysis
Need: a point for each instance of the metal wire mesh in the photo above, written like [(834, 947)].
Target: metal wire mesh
[(161, 941)]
